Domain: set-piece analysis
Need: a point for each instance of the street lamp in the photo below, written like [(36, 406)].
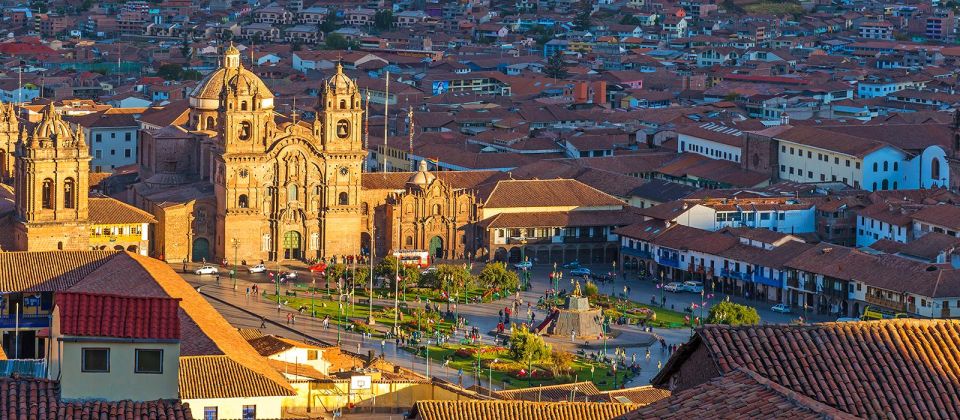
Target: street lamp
[(490, 376), (339, 317), (233, 273), (429, 341)]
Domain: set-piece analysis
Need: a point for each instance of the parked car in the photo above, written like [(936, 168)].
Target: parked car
[(572, 265), (207, 269), (582, 271), (525, 265), (259, 268), (848, 319), (693, 286), (673, 287), (318, 267), (781, 307), (290, 275), (429, 270)]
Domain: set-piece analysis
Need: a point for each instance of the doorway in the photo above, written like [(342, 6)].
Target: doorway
[(201, 250), (292, 245), (436, 247)]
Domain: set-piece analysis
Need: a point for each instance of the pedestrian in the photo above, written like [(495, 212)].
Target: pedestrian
[(648, 354), (293, 319), (218, 279), (263, 322), (288, 319), (248, 292), (278, 308)]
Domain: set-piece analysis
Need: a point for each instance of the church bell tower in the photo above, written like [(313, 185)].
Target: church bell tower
[(52, 183), (339, 127)]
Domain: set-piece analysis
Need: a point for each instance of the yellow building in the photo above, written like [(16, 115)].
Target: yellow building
[(119, 226)]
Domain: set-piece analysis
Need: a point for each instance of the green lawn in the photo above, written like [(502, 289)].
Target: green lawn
[(665, 317), (602, 375)]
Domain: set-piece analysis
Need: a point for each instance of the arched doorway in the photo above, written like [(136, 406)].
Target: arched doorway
[(201, 249), (436, 247), (365, 243), (132, 248), (292, 245)]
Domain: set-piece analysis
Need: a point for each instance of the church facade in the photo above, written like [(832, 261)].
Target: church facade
[(255, 184)]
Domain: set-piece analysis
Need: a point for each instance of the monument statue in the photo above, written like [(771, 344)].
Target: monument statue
[(576, 290)]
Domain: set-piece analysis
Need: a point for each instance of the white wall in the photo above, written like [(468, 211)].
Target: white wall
[(232, 408), (799, 162), (710, 149)]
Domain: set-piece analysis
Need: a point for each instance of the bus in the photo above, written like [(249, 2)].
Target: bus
[(417, 257), (872, 313)]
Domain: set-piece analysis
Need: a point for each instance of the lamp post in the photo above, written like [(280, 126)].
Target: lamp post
[(490, 376), (613, 279), (523, 258), (233, 273), (429, 341), (370, 319)]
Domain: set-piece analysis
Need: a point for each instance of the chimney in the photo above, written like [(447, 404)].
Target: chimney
[(600, 92), (580, 92)]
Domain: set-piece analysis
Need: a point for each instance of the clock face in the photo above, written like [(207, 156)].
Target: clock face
[(343, 129), (344, 171)]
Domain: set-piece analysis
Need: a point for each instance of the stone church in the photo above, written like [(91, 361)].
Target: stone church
[(239, 180)]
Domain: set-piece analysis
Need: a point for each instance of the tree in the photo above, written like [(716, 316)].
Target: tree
[(541, 34), (496, 276), (172, 71), (336, 42), (329, 23), (629, 20), (447, 277), (581, 21), (383, 20), (555, 67), (527, 347), (730, 313), (561, 362), (590, 289), (388, 268)]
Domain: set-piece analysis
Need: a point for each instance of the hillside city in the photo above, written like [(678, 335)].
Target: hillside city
[(480, 209)]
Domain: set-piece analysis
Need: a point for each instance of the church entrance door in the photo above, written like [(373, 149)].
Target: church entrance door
[(436, 247), (201, 250), (292, 245)]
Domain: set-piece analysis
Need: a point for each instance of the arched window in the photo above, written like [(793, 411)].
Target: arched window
[(409, 241), (874, 186), (885, 166), (896, 166), (69, 194), (242, 201), (47, 193), (894, 184), (292, 192), (364, 208), (3, 163), (59, 246), (210, 123), (243, 106), (884, 185), (436, 209), (344, 199), (875, 166), (343, 104), (935, 169)]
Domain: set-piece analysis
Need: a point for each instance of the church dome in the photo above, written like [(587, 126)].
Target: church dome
[(422, 177), (232, 77), (340, 84)]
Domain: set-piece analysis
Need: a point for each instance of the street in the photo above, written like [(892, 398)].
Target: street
[(245, 311)]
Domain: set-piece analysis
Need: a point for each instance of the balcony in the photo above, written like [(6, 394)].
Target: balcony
[(795, 283), (891, 304), (26, 321), (530, 241), (730, 274), (759, 278), (584, 239), (633, 252), (670, 262)]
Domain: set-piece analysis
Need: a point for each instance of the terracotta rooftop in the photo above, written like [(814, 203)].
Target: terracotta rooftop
[(905, 368), (516, 410), (48, 271), (39, 399), (554, 193), (740, 394), (557, 393), (96, 315), (563, 219), (109, 211), (269, 345)]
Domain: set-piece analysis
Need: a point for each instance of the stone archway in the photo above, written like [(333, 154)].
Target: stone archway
[(365, 242), (500, 255)]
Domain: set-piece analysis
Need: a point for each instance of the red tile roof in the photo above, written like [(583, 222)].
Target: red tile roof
[(97, 315), (39, 399), (905, 368)]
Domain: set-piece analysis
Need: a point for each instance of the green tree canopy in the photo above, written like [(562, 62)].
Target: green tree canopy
[(172, 71), (388, 267), (581, 21), (497, 276), (730, 313), (527, 347), (329, 23), (555, 67), (336, 42), (383, 20), (448, 277)]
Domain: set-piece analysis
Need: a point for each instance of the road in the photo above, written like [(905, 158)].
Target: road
[(245, 311)]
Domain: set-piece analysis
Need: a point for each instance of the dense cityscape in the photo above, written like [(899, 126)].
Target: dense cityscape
[(480, 209)]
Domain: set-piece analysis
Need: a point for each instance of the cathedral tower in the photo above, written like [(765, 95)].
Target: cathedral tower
[(9, 133), (52, 167), (338, 124)]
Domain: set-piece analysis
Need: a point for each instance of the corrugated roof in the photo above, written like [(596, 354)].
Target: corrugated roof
[(97, 315)]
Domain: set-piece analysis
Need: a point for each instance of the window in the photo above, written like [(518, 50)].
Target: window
[(311, 355), (126, 136), (242, 201), (292, 192), (98, 153), (809, 154), (113, 152), (935, 169), (96, 360), (875, 166), (47, 193), (885, 166), (149, 361), (848, 163), (210, 413), (783, 168), (69, 198), (249, 412), (895, 166), (243, 106), (126, 153), (98, 138), (858, 165), (344, 199), (436, 209), (409, 240)]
